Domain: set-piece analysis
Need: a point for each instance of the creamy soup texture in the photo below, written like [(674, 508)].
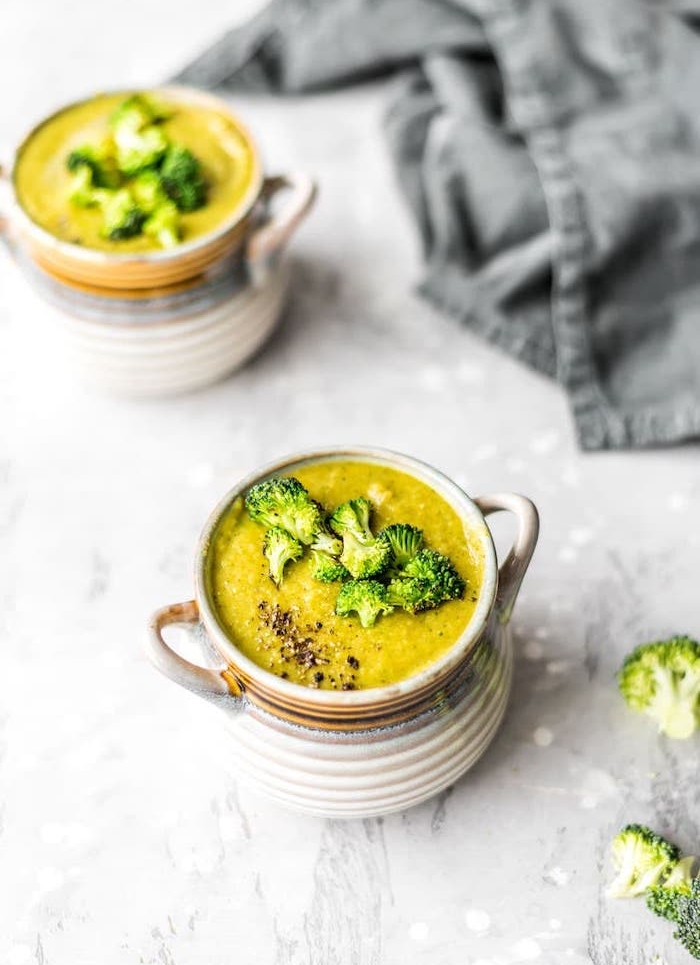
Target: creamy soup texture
[(42, 180), (293, 631)]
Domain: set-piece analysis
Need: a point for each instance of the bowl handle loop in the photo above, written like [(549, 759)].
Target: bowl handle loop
[(5, 206), (269, 238), (202, 680), (512, 570)]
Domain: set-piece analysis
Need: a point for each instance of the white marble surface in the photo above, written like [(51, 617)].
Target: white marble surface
[(124, 837)]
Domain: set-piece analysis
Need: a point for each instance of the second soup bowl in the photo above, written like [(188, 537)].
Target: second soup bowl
[(362, 752)]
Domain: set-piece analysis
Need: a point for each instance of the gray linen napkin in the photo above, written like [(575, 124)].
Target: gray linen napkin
[(550, 151)]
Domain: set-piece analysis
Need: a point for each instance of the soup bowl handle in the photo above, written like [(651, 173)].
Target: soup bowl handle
[(5, 205), (268, 238), (513, 568), (204, 681)]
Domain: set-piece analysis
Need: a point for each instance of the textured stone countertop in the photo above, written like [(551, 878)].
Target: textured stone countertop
[(124, 836)]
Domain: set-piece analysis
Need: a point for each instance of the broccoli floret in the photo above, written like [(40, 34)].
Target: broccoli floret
[(139, 150), (363, 560), (280, 548), (353, 517), (181, 176), (82, 191), (99, 163), (366, 598), (437, 571), (688, 931), (283, 501), (164, 225), (326, 568), (148, 191), (410, 593), (405, 541), (326, 542), (136, 113), (664, 899), (641, 858), (662, 680), (122, 216), (363, 555)]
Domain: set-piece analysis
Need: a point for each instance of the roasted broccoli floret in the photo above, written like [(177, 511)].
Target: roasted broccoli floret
[(662, 680), (283, 501), (327, 569), (102, 169), (182, 179), (280, 548), (164, 225), (363, 555), (405, 541), (122, 216), (641, 858), (688, 920), (443, 581), (366, 598), (664, 899)]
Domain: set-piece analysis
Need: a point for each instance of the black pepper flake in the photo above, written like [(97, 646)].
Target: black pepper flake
[(354, 662), (318, 676), (294, 645), (348, 686)]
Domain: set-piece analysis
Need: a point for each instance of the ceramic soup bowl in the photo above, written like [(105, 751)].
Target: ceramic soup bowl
[(248, 227), (369, 751)]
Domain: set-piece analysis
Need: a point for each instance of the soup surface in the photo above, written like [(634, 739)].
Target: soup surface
[(293, 631), (41, 178)]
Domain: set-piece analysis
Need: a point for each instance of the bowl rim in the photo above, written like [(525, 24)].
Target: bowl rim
[(437, 671), (174, 92)]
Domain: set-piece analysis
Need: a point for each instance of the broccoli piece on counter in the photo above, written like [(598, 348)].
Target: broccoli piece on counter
[(366, 598), (665, 899), (182, 180), (662, 680), (405, 541), (280, 548), (688, 920), (283, 501), (642, 858), (327, 569), (98, 162), (363, 555)]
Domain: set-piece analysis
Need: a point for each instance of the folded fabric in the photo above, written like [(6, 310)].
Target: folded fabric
[(550, 151)]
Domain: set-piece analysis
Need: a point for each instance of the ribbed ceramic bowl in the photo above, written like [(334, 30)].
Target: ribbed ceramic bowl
[(247, 229), (156, 346), (364, 752)]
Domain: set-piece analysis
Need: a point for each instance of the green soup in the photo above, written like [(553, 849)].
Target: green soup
[(260, 619), (41, 179)]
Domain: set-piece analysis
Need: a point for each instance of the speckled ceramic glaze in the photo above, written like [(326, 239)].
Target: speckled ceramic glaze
[(162, 322), (366, 752)]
